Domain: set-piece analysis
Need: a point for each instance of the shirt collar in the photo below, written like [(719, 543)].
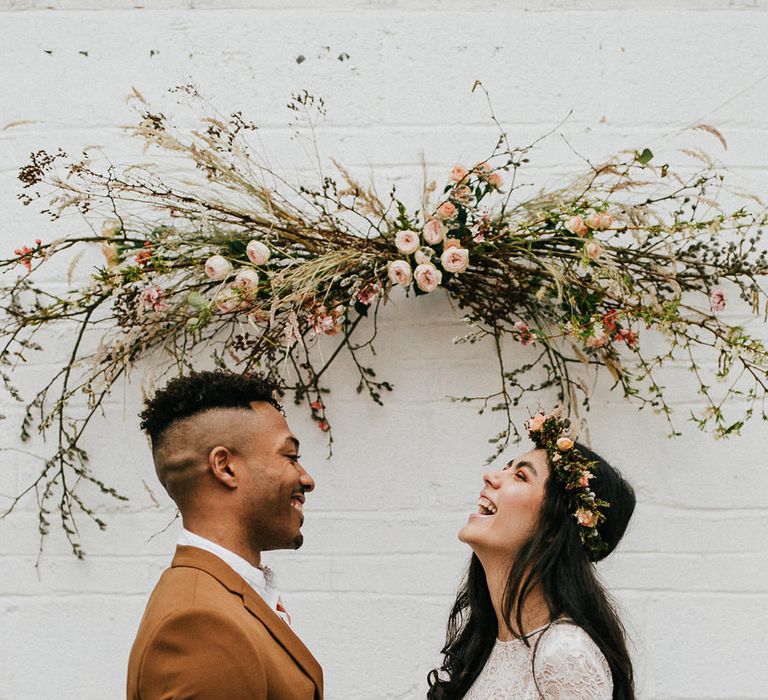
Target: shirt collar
[(260, 578)]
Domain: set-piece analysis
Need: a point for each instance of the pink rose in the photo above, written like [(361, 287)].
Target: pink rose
[(593, 249), (577, 226), (717, 299), (455, 260), (246, 280), (427, 277), (400, 272), (495, 180), (407, 241), (482, 168), (536, 422), (585, 517), (434, 231), (458, 173), (447, 211), (257, 252), (451, 243), (217, 267)]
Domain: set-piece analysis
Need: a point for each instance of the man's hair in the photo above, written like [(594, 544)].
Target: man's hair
[(201, 391)]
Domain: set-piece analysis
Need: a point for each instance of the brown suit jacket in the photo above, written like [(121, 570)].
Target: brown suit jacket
[(207, 635)]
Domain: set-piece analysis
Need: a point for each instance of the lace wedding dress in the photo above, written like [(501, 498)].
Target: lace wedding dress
[(568, 666)]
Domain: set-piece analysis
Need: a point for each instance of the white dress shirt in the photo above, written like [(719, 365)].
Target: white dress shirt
[(260, 578)]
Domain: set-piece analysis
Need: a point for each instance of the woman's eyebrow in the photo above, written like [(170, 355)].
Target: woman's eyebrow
[(526, 465)]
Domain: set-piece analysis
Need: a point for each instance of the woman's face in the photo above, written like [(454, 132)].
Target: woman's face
[(508, 506)]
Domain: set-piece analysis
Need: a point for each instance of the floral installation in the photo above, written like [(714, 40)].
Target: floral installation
[(553, 433), (239, 265)]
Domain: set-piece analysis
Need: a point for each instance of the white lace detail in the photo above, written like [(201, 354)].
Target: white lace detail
[(569, 666)]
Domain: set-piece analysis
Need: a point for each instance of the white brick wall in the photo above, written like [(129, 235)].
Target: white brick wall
[(371, 588)]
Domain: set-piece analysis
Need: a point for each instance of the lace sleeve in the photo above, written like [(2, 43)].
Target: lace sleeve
[(569, 666)]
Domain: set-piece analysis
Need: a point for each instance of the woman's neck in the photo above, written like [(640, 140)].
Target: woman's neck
[(535, 612)]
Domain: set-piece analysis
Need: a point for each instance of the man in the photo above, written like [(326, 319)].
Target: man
[(214, 627)]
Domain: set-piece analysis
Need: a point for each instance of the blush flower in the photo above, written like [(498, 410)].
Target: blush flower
[(257, 252), (599, 220), (536, 422), (153, 299), (524, 333), (427, 277), (577, 226), (407, 241), (455, 260), (593, 249), (717, 299), (434, 231), (458, 173), (585, 517), (451, 243), (400, 272), (461, 194), (495, 180), (447, 211), (217, 267), (246, 280)]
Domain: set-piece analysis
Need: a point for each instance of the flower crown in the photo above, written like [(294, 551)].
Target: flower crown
[(552, 433)]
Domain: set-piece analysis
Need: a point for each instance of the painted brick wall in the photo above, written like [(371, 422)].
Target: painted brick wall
[(371, 588)]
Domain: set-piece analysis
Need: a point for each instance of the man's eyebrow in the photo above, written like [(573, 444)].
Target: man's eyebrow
[(526, 465), (294, 442)]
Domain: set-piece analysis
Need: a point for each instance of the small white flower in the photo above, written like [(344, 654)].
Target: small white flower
[(257, 252)]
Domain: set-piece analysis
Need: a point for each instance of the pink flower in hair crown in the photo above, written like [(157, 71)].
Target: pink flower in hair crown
[(536, 422)]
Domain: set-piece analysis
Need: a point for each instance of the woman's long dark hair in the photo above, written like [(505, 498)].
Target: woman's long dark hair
[(555, 559)]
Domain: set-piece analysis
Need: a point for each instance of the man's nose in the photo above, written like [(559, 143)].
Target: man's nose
[(306, 481)]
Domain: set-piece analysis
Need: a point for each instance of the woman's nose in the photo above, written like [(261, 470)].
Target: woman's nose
[(491, 478)]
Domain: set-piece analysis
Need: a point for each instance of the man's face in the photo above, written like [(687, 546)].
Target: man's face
[(272, 482)]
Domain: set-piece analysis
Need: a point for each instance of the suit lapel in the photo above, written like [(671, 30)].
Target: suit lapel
[(196, 558)]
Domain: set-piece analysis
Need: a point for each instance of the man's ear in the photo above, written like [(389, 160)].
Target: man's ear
[(220, 463)]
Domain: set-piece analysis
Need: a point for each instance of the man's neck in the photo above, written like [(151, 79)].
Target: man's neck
[(222, 536)]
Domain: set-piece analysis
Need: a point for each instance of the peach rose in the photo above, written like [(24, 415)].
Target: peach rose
[(434, 231), (564, 444), (427, 277), (217, 267), (451, 243), (585, 477), (599, 220), (495, 180), (455, 260), (407, 241), (458, 173), (482, 168), (257, 252), (400, 272), (593, 249), (585, 517), (536, 422), (447, 211), (576, 225), (246, 280)]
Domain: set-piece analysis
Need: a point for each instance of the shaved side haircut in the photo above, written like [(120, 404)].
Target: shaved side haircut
[(175, 420)]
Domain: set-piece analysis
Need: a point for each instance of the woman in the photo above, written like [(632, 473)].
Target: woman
[(532, 620)]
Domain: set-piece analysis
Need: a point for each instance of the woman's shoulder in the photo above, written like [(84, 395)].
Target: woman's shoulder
[(566, 654)]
